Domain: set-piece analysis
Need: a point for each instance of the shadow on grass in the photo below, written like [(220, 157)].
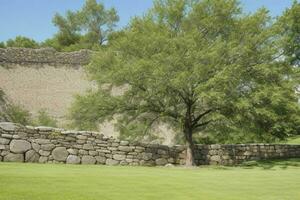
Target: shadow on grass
[(271, 164)]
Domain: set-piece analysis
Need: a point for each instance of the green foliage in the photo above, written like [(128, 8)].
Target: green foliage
[(87, 28), (44, 119), (2, 45), (200, 66), (19, 115), (21, 41)]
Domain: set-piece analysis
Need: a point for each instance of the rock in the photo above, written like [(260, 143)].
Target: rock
[(169, 165), (93, 153), (42, 141), (81, 137), (89, 160), (19, 146), (4, 141), (88, 147), (100, 159), (7, 136), (124, 143), (44, 153), (146, 156), (72, 159), (36, 147), (2, 147), (125, 148), (47, 147), (11, 157), (8, 126), (161, 161), (60, 154), (119, 157), (111, 162), (73, 151), (31, 156), (216, 158), (43, 159), (83, 152)]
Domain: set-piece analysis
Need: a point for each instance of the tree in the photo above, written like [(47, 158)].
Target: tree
[(86, 28), (21, 41), (200, 66)]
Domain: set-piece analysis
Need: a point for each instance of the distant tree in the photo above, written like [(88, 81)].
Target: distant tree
[(86, 28), (2, 45), (200, 66), (44, 119), (21, 41)]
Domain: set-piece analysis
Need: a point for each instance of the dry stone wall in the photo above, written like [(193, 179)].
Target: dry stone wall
[(51, 145), (43, 56)]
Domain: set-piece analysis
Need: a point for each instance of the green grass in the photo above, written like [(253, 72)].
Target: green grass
[(294, 140), (272, 180)]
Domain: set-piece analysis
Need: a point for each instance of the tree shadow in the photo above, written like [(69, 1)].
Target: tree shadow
[(272, 164)]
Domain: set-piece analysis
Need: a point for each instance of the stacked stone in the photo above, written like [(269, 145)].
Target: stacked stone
[(50, 145), (236, 154), (49, 56)]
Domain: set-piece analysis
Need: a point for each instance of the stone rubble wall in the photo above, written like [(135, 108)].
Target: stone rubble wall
[(51, 145), (43, 56)]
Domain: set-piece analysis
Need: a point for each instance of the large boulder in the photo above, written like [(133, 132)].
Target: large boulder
[(88, 160), (72, 159), (11, 157), (19, 146), (8, 126), (31, 156), (60, 154), (161, 161)]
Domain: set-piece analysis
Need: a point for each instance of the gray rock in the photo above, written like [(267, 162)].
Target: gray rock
[(146, 156), (89, 160), (19, 146), (88, 147), (81, 137), (7, 136), (44, 153), (161, 161), (93, 153), (60, 154), (8, 126), (73, 151), (31, 156), (36, 147), (100, 159), (119, 157), (2, 147), (72, 159), (4, 141), (125, 148), (112, 162), (83, 152), (43, 159), (42, 141), (124, 143), (47, 147), (11, 157)]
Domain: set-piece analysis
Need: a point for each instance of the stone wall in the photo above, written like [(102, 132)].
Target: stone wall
[(44, 56), (50, 145)]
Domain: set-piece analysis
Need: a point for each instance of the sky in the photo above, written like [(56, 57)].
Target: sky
[(33, 18)]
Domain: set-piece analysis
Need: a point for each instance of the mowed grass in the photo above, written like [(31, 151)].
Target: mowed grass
[(263, 181), (294, 140)]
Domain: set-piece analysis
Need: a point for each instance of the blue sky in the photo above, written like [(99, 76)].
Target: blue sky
[(32, 18)]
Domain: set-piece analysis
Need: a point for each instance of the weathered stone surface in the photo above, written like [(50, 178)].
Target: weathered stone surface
[(19, 146), (90, 160), (42, 141), (112, 162), (73, 151), (44, 153), (2, 147), (31, 156), (43, 159), (125, 148), (119, 157), (83, 152), (8, 126), (124, 143), (36, 147), (72, 159), (100, 159), (4, 141), (47, 147), (11, 157), (60, 154), (88, 147), (161, 161), (81, 137)]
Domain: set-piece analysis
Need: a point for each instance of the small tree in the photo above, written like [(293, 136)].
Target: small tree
[(21, 41), (200, 66)]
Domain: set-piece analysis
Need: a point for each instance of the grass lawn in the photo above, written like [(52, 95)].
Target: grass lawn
[(276, 180), (294, 140)]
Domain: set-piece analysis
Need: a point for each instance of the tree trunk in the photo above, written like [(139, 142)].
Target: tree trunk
[(190, 159)]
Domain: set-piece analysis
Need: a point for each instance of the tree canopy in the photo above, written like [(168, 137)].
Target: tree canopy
[(200, 66)]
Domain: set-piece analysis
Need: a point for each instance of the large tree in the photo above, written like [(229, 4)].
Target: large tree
[(200, 66)]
